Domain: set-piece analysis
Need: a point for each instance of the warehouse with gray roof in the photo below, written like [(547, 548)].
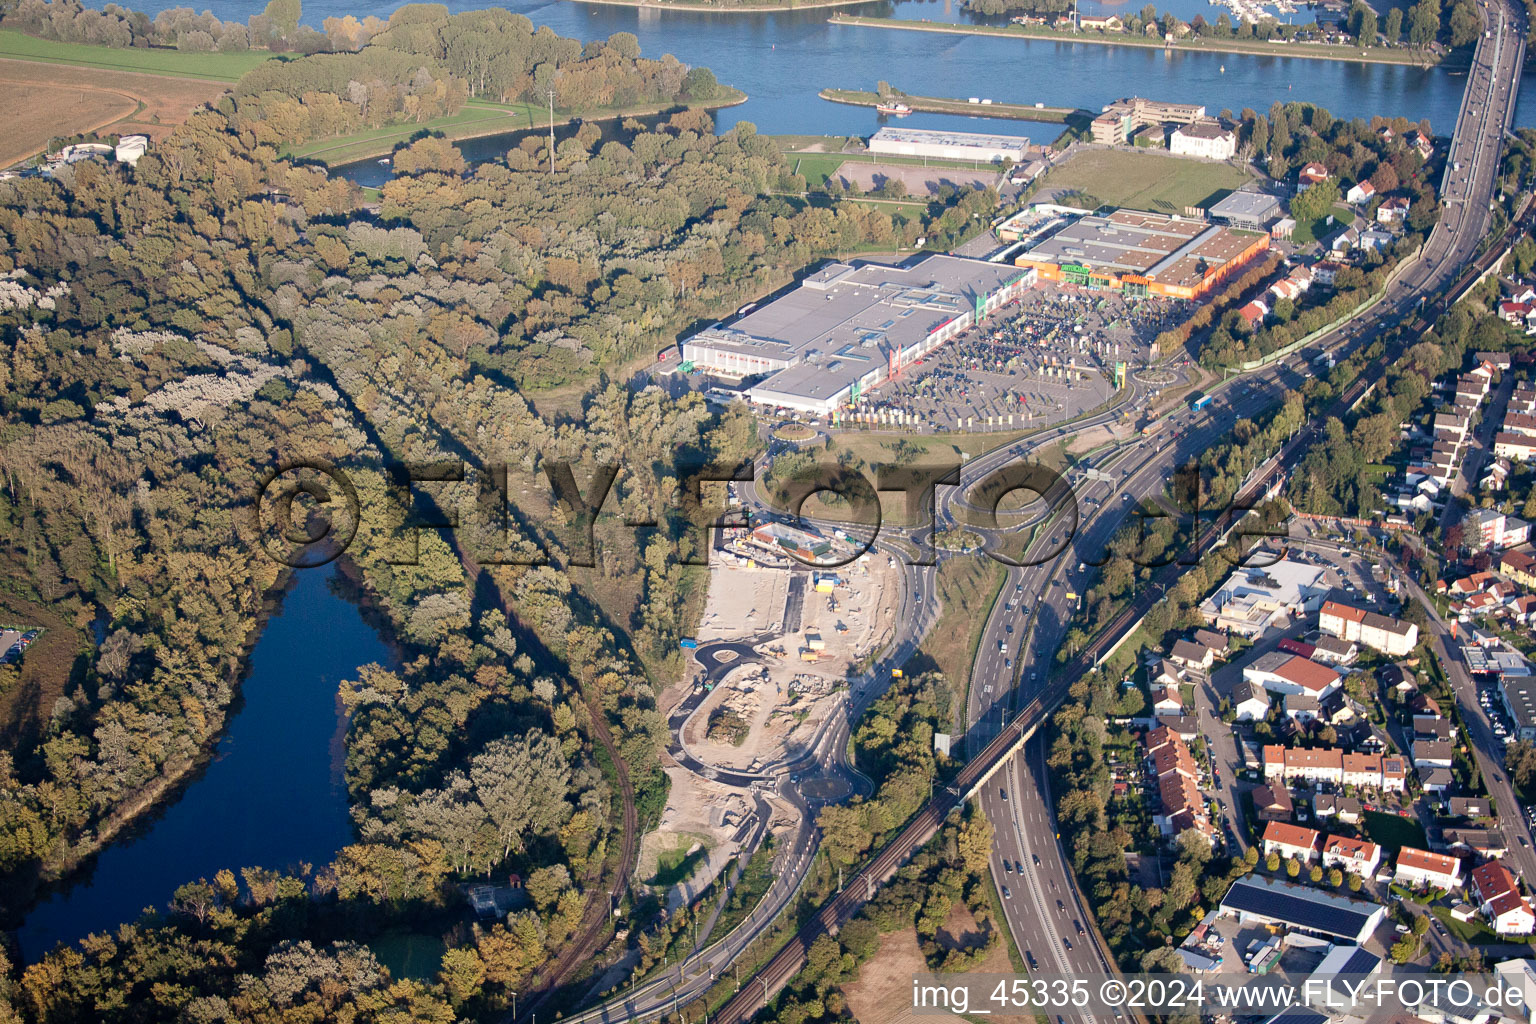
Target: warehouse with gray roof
[(1301, 908), (847, 328)]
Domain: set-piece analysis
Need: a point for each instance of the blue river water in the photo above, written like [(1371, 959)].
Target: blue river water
[(782, 59), (280, 760), (272, 795)]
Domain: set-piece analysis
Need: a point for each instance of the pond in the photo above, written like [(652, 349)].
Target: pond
[(272, 795)]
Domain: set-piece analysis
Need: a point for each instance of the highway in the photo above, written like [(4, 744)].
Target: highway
[(1025, 839), (1016, 680)]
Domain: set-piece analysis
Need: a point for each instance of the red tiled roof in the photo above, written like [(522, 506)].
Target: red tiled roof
[(1423, 860), (1343, 611), (1308, 675), (1290, 835)]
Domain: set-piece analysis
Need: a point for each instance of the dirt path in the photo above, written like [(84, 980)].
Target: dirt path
[(589, 938), (41, 101)]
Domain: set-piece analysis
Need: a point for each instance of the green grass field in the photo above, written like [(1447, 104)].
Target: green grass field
[(1392, 833), (478, 118), (222, 67), (1145, 181)]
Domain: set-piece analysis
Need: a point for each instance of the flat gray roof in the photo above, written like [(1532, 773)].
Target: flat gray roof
[(1246, 204), (968, 140), (844, 321)]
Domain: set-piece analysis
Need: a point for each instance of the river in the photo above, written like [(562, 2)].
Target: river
[(280, 761), (272, 795), (782, 59)]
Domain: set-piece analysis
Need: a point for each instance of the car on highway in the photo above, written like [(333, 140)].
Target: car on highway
[(1079, 925), (1007, 865), (1034, 964), (1007, 893), (1037, 859), (1061, 907), (1003, 793), (1066, 942)]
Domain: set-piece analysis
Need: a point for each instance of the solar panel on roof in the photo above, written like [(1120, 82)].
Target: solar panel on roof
[(1298, 1015), (1361, 961), (1300, 907)]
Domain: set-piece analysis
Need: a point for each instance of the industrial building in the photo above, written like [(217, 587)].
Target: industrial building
[(949, 145), (1253, 598), (1124, 116), (846, 329), (1143, 253), (1250, 211), (1301, 908)]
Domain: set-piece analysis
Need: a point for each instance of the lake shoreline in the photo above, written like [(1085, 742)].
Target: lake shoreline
[(959, 107), (386, 146), (695, 8), (1291, 50)]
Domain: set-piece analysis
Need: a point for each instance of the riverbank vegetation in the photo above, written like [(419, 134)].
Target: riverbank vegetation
[(1420, 34), (177, 329), (1265, 41), (1380, 151)]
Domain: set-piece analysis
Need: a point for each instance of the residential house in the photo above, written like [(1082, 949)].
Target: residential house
[(1499, 898), (1333, 651), (1254, 312), (1486, 843), (1436, 753), (1176, 775), (1470, 807), (1356, 856), (1311, 174), (1192, 655), (1303, 707), (1273, 802), (1519, 566), (1218, 643), (1392, 211), (1417, 868), (1291, 841), (1392, 637), (1514, 447), (1360, 193), (1250, 702), (1167, 700), (1434, 778)]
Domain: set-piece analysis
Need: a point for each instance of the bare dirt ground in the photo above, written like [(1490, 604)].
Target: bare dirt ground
[(41, 101), (883, 993), (743, 603), (920, 181), (698, 814), (782, 703)]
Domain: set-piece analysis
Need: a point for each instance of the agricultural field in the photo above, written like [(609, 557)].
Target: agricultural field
[(224, 67), (1143, 181), (36, 105)]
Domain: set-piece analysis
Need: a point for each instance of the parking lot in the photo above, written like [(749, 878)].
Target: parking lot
[(14, 642), (1042, 360)]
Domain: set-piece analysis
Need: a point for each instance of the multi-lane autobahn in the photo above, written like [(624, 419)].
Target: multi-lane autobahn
[(1012, 676), (1028, 858)]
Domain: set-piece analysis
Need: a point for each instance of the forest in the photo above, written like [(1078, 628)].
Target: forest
[(175, 330)]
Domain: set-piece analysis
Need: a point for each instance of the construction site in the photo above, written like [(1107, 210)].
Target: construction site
[(808, 632), (776, 646)]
